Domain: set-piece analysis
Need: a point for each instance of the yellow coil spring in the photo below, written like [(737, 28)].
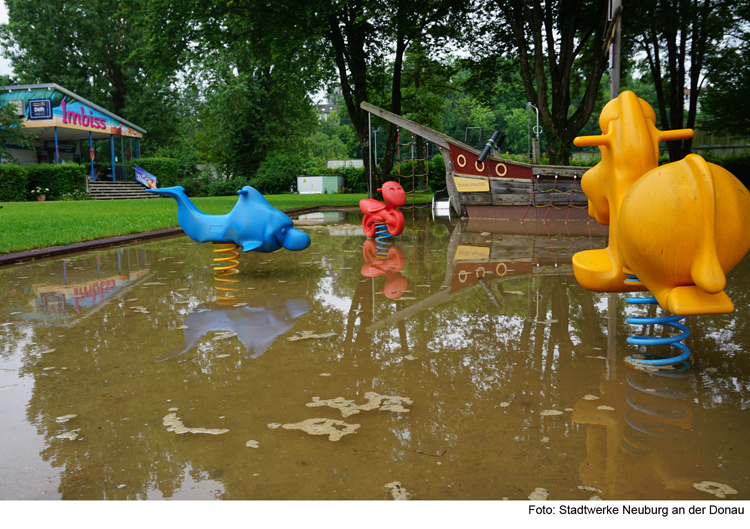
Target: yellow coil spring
[(222, 271)]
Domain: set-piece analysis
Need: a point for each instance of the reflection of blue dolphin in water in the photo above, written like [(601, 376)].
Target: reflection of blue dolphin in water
[(256, 327), (253, 223)]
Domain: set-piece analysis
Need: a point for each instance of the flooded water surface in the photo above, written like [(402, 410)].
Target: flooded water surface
[(457, 361)]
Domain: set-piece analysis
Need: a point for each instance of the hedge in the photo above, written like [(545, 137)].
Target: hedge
[(166, 170), (60, 179), (13, 183)]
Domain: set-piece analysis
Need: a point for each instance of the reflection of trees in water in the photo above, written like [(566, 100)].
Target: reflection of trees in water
[(468, 341)]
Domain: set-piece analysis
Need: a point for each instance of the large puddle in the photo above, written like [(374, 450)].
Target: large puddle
[(456, 362)]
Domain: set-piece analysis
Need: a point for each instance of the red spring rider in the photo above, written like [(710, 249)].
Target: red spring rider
[(379, 213)]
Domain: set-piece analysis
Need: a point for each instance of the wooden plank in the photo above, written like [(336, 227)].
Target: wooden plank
[(559, 186), (560, 199), (510, 180), (499, 187), (560, 170), (434, 136), (476, 199)]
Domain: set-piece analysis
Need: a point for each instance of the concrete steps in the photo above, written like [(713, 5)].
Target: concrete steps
[(118, 191)]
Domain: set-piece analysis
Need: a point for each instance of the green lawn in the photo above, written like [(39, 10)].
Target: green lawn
[(30, 225)]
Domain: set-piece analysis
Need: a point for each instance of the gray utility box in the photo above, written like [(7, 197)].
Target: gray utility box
[(319, 185)]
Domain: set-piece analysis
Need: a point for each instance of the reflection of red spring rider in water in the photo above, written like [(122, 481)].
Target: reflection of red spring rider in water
[(390, 265), (379, 213)]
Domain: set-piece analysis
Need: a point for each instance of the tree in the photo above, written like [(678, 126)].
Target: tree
[(355, 37), (425, 81), (249, 116), (555, 42), (726, 104), (11, 130), (92, 46), (680, 39), (254, 64)]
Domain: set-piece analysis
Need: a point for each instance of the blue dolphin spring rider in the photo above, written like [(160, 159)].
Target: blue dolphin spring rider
[(253, 224)]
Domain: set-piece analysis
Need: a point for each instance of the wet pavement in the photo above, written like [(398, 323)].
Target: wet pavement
[(458, 361)]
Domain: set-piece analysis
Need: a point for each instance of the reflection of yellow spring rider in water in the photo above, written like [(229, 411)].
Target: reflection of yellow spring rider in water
[(675, 229)]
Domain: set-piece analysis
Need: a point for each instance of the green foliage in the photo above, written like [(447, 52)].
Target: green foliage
[(223, 187), (586, 162), (11, 130), (726, 103), (74, 195), (355, 179), (13, 183), (456, 114), (278, 172), (339, 125), (60, 179), (425, 81), (560, 60), (193, 186), (250, 116), (166, 170), (437, 173), (489, 95), (516, 129), (682, 43), (327, 147)]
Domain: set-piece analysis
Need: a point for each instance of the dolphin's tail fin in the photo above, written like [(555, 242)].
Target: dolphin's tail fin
[(177, 193)]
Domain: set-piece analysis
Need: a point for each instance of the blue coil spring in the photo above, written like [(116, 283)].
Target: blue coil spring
[(382, 238), (655, 360)]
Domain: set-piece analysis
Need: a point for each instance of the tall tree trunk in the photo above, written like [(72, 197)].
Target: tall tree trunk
[(548, 41), (386, 165), (352, 66)]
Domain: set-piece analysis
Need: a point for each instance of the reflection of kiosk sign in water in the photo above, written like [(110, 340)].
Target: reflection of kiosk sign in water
[(40, 109)]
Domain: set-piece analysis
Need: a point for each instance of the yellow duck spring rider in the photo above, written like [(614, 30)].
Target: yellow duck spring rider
[(675, 230)]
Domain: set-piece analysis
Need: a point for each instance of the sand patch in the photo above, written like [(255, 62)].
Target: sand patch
[(174, 424), (329, 427), (397, 491), (720, 490), (539, 494), (394, 403)]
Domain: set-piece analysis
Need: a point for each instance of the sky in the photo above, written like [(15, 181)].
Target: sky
[(5, 68)]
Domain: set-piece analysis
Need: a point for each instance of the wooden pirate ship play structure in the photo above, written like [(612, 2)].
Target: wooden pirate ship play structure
[(496, 188)]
